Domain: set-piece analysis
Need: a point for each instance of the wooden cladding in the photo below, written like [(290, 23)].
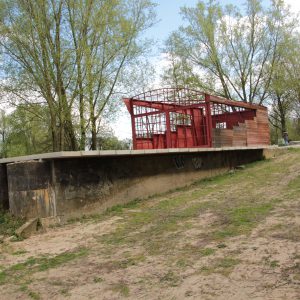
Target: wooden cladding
[(248, 133)]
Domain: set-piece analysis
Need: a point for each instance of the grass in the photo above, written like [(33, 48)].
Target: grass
[(65, 292), (239, 215), (293, 187), (31, 294), (207, 251), (124, 263), (98, 279), (169, 228), (274, 263), (183, 263), (20, 252), (9, 224), (19, 271), (288, 231), (179, 197), (222, 266), (121, 288), (112, 211), (239, 200), (242, 219), (171, 279)]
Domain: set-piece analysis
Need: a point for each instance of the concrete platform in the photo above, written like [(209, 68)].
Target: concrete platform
[(68, 184), (108, 153)]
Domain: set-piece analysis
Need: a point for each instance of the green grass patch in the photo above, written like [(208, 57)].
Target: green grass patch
[(38, 264), (131, 261), (31, 294), (288, 231), (222, 266), (151, 226), (158, 227), (121, 288), (274, 263), (183, 263), (98, 279), (207, 251), (171, 279), (20, 252), (9, 224), (241, 219), (294, 185)]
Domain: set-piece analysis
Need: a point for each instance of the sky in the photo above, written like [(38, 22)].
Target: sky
[(169, 19)]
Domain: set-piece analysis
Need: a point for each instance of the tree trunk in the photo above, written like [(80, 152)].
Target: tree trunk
[(94, 133), (82, 124), (54, 134), (283, 124)]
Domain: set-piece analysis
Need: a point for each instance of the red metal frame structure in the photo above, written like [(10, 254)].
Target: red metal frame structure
[(186, 118)]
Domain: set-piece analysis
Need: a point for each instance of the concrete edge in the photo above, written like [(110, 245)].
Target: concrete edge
[(107, 153)]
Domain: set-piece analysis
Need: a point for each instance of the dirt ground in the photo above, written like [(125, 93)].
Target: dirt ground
[(236, 236)]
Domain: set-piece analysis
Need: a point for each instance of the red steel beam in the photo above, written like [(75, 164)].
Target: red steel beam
[(220, 100)]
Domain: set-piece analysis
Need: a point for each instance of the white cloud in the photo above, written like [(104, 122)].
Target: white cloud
[(294, 4)]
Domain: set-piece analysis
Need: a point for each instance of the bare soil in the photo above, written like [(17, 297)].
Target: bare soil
[(236, 236)]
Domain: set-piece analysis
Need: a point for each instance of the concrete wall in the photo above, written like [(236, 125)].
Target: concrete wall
[(3, 188), (30, 190), (74, 186)]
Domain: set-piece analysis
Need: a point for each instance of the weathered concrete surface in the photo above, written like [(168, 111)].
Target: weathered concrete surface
[(272, 152), (65, 185), (88, 184), (109, 153), (4, 202), (28, 229), (68, 187), (29, 189)]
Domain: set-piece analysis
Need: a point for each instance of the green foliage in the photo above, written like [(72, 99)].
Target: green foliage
[(107, 141), (230, 50), (8, 223), (26, 131), (72, 59)]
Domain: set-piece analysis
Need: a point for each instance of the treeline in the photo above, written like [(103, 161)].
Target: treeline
[(249, 53), (25, 131), (66, 63)]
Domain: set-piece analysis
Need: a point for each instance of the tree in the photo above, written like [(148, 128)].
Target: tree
[(281, 100), (236, 49), (292, 67), (179, 72), (117, 37), (108, 141), (25, 131), (69, 54), (284, 90), (282, 96), (3, 133)]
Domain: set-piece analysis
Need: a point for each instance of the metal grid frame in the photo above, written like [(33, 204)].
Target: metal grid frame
[(181, 117)]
